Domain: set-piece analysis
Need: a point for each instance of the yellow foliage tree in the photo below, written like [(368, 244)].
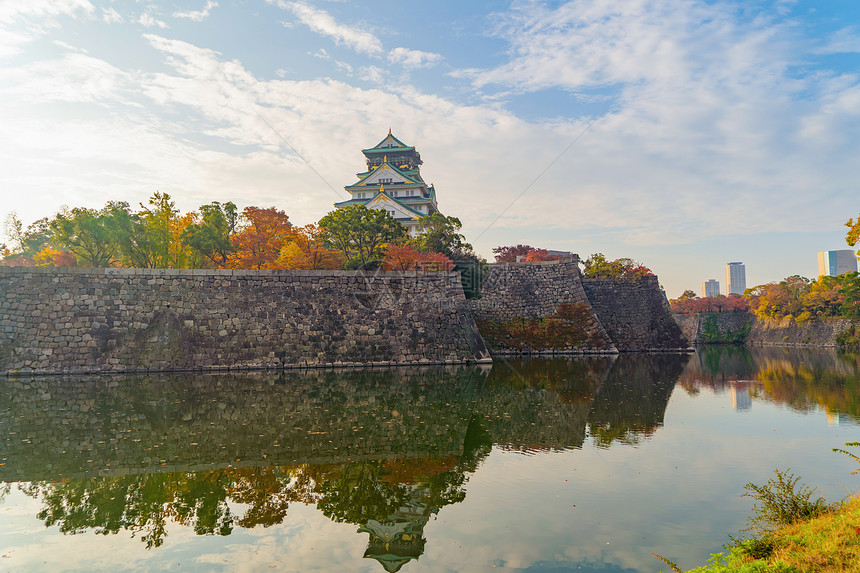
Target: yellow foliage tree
[(305, 250)]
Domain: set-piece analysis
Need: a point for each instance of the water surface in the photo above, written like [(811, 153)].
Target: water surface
[(549, 465)]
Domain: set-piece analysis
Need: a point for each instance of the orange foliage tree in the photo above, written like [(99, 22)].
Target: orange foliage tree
[(305, 250), (258, 245), (406, 258), (528, 253)]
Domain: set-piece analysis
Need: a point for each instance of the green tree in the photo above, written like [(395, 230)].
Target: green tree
[(211, 237), (360, 233), (88, 233), (157, 220), (688, 295), (850, 293), (598, 267), (37, 236), (440, 234), (132, 236)]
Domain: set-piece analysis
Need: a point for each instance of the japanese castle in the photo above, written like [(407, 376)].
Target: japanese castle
[(393, 183)]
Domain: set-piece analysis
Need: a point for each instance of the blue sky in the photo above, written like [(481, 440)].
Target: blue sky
[(684, 134)]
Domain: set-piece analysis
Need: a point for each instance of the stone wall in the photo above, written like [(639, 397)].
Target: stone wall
[(728, 324), (635, 314), (820, 333), (788, 333), (113, 320), (534, 291)]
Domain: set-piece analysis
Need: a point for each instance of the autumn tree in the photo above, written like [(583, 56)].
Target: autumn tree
[(27, 243), (360, 233), (511, 254), (259, 242), (853, 236), (523, 253), (50, 256), (305, 250), (407, 258)]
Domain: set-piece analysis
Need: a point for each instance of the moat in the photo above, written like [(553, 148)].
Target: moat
[(549, 464)]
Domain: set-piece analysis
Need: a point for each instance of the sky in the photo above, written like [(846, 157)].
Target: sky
[(681, 133)]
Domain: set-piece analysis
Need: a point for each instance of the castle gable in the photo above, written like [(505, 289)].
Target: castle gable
[(394, 207)]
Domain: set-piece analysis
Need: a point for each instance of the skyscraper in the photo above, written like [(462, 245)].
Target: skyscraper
[(736, 278), (710, 288), (835, 263)]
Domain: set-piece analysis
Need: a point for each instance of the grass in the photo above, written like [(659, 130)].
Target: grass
[(823, 544), (792, 532)]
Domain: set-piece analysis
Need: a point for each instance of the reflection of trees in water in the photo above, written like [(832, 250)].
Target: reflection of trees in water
[(804, 379), (144, 504), (632, 401), (353, 492)]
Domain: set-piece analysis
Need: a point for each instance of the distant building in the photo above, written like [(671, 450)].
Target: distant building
[(736, 278), (710, 288), (835, 263)]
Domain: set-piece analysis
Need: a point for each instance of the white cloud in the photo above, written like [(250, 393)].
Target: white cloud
[(324, 24), (713, 127), (75, 77), (10, 10), (111, 16), (844, 41), (413, 58), (198, 15), (33, 19), (148, 20), (373, 74), (11, 42)]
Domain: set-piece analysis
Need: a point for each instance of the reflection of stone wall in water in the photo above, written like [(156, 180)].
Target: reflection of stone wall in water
[(110, 425), (89, 320), (541, 404), (632, 400)]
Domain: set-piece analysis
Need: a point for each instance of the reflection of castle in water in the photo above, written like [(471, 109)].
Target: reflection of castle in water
[(383, 450), (400, 537)]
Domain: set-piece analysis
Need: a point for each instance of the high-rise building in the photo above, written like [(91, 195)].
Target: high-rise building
[(392, 182), (835, 263), (736, 278), (710, 288)]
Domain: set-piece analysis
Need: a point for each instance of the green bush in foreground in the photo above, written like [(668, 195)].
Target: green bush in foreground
[(793, 532)]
